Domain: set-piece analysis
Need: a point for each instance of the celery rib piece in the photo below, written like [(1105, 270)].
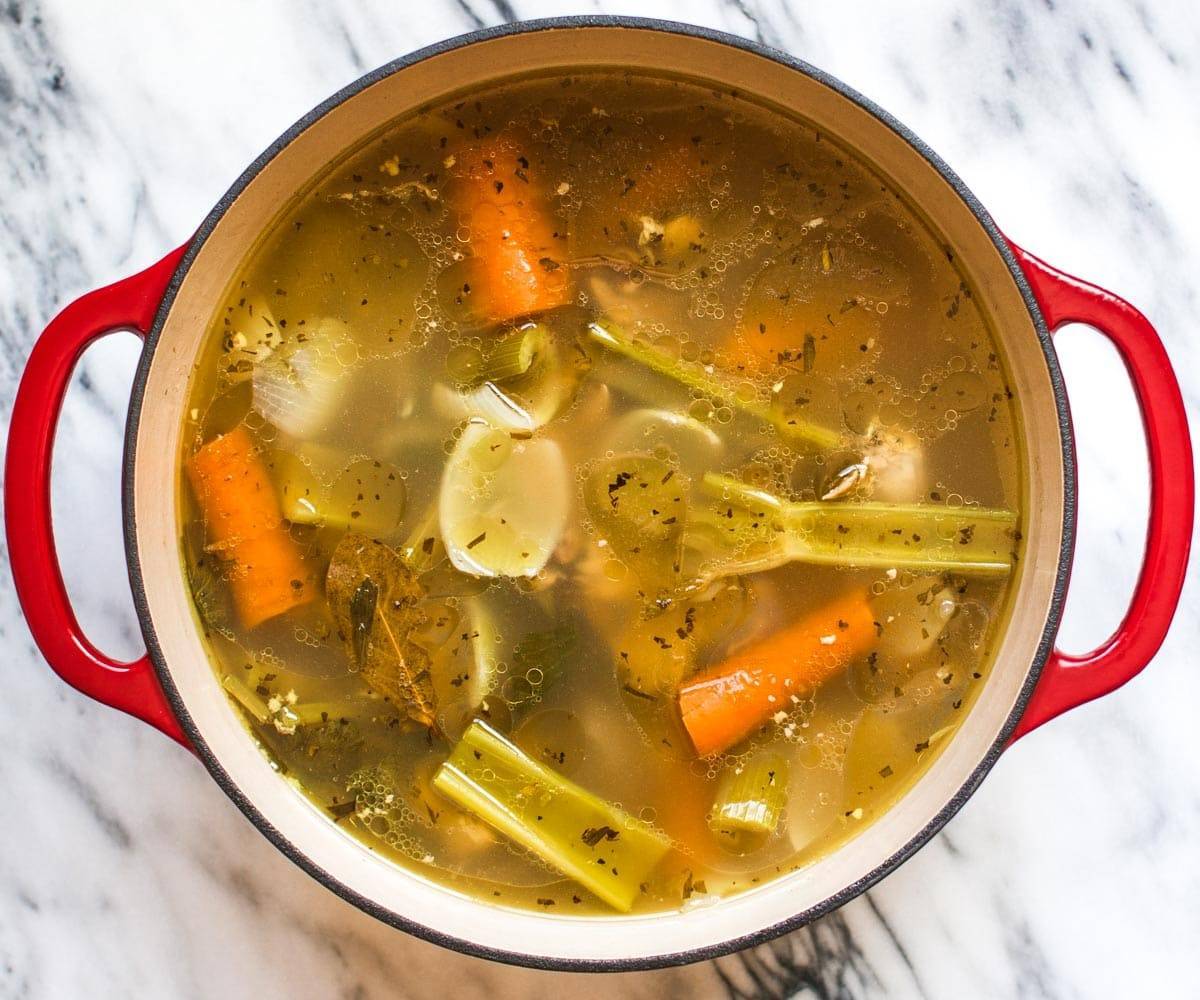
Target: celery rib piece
[(610, 337), (509, 356), (514, 354), (752, 799), (591, 841), (726, 487), (247, 697), (313, 713), (881, 535)]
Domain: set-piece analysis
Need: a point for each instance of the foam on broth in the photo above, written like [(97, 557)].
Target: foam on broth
[(793, 288)]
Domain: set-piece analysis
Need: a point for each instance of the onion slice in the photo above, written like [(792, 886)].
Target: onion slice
[(297, 386), (503, 504), (696, 445)]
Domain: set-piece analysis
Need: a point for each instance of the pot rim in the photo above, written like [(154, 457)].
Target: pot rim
[(463, 945)]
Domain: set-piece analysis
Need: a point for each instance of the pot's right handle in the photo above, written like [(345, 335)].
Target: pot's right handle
[(128, 304), (1068, 681)]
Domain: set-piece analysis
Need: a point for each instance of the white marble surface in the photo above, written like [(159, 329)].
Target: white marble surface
[(1074, 872)]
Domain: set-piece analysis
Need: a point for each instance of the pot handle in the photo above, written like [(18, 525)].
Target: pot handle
[(128, 304), (1067, 680)]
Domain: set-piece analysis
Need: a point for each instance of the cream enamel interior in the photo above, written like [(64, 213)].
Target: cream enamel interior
[(157, 524)]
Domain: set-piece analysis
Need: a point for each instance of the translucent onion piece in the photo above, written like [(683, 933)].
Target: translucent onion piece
[(638, 506), (369, 496), (320, 485), (485, 650), (301, 477), (503, 503), (814, 802), (634, 304), (696, 445), (297, 386), (490, 403)]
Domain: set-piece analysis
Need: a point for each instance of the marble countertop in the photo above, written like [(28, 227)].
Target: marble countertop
[(1075, 870)]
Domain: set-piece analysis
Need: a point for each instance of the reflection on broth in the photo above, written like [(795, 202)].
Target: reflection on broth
[(600, 494)]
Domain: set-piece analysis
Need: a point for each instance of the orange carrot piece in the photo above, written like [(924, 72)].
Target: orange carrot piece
[(722, 706), (517, 262), (246, 529)]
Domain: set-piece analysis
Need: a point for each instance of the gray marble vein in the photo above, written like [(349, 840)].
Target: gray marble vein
[(1074, 872)]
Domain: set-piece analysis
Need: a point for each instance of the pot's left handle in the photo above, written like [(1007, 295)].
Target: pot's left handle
[(127, 305)]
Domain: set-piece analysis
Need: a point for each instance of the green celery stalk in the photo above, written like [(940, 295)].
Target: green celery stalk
[(880, 535), (311, 713), (514, 354), (509, 356), (728, 488), (485, 656), (611, 337), (751, 796), (246, 697), (597, 844)]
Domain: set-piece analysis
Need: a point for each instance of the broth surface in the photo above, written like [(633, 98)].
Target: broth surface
[(637, 422)]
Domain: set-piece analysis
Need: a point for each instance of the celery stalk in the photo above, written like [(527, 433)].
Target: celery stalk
[(728, 488), (510, 355), (597, 844), (514, 354), (610, 336), (908, 536), (485, 677), (246, 697), (751, 796), (311, 713), (928, 537)]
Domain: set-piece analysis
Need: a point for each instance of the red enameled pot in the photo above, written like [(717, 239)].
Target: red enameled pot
[(173, 688)]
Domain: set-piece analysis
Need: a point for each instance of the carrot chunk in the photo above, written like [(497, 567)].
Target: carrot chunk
[(246, 529), (723, 705), (517, 263)]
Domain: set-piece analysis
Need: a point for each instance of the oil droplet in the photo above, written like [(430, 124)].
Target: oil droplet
[(615, 570), (860, 412), (963, 391)]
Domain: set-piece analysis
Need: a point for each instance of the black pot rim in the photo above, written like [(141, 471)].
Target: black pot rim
[(463, 945)]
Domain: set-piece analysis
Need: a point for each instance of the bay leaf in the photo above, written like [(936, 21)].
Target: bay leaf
[(376, 600)]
